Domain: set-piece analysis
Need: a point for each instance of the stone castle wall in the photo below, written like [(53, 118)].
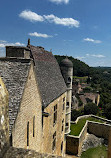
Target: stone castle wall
[(4, 119), (49, 128), (99, 129), (30, 107), (74, 143)]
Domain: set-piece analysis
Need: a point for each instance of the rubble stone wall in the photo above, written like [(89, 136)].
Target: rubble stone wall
[(4, 119)]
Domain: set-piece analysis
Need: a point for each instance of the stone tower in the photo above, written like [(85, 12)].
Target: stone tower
[(66, 67)]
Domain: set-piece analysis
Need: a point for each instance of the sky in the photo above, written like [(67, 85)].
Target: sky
[(77, 28)]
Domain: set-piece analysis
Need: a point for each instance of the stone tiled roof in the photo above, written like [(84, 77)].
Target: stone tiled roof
[(49, 77), (14, 73)]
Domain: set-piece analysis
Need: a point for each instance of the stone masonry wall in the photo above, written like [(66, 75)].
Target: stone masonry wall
[(4, 119), (74, 143), (99, 129), (49, 128), (30, 107), (23, 153)]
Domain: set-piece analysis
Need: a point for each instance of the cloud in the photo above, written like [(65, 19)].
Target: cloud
[(31, 16), (87, 56), (92, 40), (60, 1), (39, 35), (95, 55), (62, 21), (34, 17), (98, 55), (5, 43), (80, 58)]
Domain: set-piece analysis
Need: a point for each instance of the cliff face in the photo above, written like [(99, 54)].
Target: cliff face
[(4, 119)]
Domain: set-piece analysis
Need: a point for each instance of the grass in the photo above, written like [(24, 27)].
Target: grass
[(76, 128), (85, 77), (97, 152)]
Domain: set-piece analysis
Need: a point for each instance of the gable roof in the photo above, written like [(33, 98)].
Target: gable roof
[(48, 74), (14, 73)]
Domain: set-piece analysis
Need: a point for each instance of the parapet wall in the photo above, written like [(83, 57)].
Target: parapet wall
[(4, 119), (99, 130), (74, 143)]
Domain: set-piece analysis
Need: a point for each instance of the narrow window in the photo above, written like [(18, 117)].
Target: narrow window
[(28, 134), (54, 141), (69, 80), (55, 115), (34, 126), (61, 147), (67, 104), (63, 99), (67, 124), (62, 125)]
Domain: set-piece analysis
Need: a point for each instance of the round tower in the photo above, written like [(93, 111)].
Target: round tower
[(66, 67)]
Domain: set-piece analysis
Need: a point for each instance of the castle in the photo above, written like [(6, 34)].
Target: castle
[(40, 95)]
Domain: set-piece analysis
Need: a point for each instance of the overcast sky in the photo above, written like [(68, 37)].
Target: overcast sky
[(78, 28)]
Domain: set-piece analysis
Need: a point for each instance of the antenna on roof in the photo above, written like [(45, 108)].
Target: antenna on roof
[(28, 41)]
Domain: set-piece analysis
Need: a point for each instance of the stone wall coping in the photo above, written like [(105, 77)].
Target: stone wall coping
[(86, 124), (91, 115), (99, 123)]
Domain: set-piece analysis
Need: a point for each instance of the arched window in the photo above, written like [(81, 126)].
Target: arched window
[(34, 126), (28, 134), (69, 80)]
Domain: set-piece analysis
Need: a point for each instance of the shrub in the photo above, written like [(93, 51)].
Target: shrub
[(91, 108)]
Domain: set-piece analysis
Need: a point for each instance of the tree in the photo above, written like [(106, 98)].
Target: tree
[(91, 108), (75, 114), (107, 111)]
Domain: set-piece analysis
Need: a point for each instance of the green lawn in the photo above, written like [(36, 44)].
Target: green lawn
[(97, 152), (76, 128)]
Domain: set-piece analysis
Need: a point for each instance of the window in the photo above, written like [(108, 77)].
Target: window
[(28, 134), (34, 126), (55, 115), (54, 141), (63, 103), (67, 104), (62, 125), (67, 124), (64, 99), (69, 80), (61, 147)]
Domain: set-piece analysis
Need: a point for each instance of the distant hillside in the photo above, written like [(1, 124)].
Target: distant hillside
[(80, 68)]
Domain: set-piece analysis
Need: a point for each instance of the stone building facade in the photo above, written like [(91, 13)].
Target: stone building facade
[(37, 99), (4, 119)]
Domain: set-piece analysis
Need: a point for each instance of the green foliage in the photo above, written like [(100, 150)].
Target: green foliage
[(98, 152), (79, 100), (91, 108), (87, 90), (75, 114), (107, 111)]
